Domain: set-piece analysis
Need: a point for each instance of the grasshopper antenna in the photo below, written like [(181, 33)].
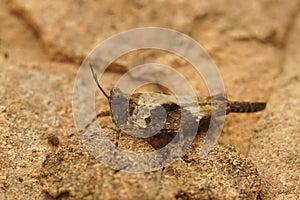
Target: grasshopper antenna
[(96, 80)]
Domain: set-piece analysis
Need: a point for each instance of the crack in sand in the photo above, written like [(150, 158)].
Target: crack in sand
[(286, 38)]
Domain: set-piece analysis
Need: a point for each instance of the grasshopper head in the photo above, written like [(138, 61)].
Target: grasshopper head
[(119, 103)]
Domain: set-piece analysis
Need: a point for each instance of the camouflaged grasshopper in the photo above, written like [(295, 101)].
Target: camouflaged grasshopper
[(151, 113)]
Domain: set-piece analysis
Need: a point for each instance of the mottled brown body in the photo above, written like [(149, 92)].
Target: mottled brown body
[(156, 115), (176, 112)]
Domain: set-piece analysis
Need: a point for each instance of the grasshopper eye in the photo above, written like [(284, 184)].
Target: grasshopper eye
[(148, 120)]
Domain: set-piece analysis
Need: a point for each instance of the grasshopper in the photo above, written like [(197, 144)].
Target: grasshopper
[(151, 113)]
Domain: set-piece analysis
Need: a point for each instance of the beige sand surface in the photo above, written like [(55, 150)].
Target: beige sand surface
[(255, 45)]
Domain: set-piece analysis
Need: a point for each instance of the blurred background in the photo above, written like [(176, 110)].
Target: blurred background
[(255, 45)]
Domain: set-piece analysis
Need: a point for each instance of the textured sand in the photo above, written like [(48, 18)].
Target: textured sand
[(255, 45)]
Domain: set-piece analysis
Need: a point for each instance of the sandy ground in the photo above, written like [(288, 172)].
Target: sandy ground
[(255, 45)]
